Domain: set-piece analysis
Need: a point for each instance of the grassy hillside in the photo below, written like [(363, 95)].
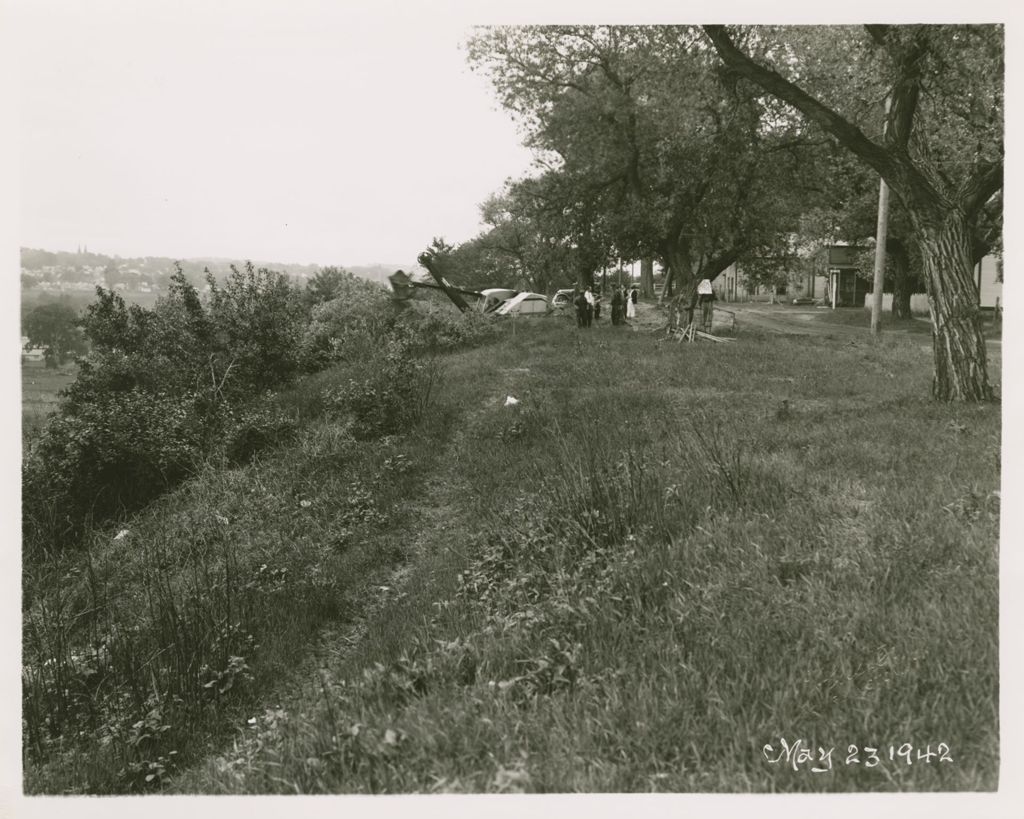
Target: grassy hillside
[(662, 559)]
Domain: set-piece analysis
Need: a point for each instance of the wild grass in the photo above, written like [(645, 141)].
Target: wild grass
[(39, 388), (663, 558)]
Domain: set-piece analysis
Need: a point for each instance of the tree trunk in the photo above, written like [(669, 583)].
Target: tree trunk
[(666, 285), (902, 281), (961, 366), (647, 277), (679, 275), (428, 261)]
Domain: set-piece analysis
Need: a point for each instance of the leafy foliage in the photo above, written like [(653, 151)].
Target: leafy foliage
[(54, 327), (940, 150), (154, 396), (652, 150)]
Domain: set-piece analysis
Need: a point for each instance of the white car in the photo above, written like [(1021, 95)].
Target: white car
[(524, 304)]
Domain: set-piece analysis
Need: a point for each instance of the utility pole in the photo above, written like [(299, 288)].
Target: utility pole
[(881, 236)]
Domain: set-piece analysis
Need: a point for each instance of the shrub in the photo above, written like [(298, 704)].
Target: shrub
[(255, 430), (256, 320), (348, 326), (109, 455), (155, 395), (388, 391), (436, 327)]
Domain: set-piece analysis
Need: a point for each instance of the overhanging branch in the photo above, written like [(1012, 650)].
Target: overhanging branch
[(899, 173)]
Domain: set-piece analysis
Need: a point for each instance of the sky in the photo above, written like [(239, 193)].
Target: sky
[(305, 132), (310, 131)]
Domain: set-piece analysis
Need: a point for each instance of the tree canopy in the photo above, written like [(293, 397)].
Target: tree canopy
[(940, 149), (652, 147), (702, 146), (55, 328)]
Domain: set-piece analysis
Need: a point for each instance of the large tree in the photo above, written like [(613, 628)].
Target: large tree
[(675, 159), (532, 232), (941, 150), (55, 328)]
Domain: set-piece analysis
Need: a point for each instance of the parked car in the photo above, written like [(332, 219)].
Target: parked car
[(524, 304), (562, 299), (493, 297)]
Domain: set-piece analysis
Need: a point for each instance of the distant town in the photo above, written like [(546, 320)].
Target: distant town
[(141, 279)]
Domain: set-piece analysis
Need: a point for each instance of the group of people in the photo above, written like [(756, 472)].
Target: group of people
[(588, 306)]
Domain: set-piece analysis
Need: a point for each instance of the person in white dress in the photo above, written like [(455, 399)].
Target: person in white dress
[(631, 303)]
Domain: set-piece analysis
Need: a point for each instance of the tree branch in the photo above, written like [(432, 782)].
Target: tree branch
[(981, 186), (899, 172)]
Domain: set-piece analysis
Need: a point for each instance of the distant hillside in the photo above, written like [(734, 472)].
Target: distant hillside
[(379, 272), (142, 278)]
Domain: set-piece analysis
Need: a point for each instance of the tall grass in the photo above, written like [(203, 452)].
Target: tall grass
[(663, 558), (142, 648), (666, 571)]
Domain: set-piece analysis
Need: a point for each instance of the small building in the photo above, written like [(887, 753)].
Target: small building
[(845, 287), (31, 353)]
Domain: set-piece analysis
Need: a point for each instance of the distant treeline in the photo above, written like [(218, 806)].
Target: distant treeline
[(159, 268)]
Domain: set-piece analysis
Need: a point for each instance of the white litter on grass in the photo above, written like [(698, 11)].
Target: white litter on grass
[(511, 402), (305, 504), (122, 534)]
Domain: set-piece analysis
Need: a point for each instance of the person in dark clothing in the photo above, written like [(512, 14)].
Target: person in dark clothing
[(582, 309), (617, 306), (589, 316)]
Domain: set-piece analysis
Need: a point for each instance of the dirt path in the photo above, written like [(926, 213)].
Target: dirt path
[(426, 525)]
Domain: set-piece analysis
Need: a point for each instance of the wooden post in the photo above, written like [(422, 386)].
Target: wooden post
[(880, 240), (881, 236)]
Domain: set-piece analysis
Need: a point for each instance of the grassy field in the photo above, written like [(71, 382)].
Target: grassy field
[(664, 558), (39, 387)]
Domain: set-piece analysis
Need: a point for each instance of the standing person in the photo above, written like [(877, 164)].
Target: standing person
[(617, 306), (597, 306), (589, 296), (631, 303), (706, 299), (581, 309)]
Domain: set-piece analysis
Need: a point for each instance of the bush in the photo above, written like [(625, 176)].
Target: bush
[(388, 392), (437, 327), (164, 388), (255, 430), (256, 320), (156, 394), (107, 456), (348, 326)]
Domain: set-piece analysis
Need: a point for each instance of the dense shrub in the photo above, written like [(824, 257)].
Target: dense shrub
[(389, 391), (348, 326), (437, 327), (156, 394), (164, 388), (105, 456), (256, 320), (256, 429)]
